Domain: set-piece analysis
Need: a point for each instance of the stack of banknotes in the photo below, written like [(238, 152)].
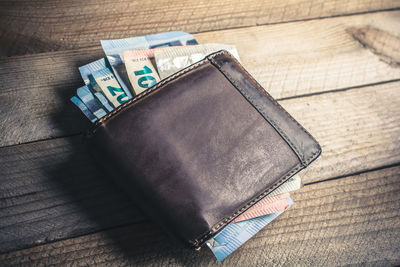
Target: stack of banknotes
[(133, 65)]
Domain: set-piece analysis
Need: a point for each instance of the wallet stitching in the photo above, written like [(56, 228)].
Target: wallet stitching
[(157, 86), (295, 169), (225, 221), (252, 202), (262, 90), (259, 108)]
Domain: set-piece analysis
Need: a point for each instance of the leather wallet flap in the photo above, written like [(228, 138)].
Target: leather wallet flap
[(201, 147)]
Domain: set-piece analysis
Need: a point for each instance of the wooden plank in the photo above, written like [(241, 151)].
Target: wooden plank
[(51, 190), (316, 56), (358, 129), (40, 26), (289, 60), (353, 220)]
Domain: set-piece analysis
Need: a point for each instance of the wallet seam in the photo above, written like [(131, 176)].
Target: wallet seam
[(259, 109), (225, 221), (175, 76), (302, 164)]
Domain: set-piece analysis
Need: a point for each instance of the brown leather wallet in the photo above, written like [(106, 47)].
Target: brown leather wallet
[(201, 147)]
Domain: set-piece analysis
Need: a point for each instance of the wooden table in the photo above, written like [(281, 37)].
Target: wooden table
[(334, 65)]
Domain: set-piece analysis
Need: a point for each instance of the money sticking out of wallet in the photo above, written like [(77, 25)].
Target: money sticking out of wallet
[(132, 66)]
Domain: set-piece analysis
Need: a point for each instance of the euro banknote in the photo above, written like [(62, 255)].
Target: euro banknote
[(236, 234), (87, 76), (103, 100), (114, 49), (88, 69), (91, 102), (292, 184), (265, 206), (173, 59), (110, 87), (274, 201), (140, 69)]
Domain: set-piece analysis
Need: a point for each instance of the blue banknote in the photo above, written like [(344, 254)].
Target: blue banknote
[(88, 69), (110, 87), (100, 97), (91, 102), (95, 66), (114, 49), (103, 100), (236, 234), (76, 100)]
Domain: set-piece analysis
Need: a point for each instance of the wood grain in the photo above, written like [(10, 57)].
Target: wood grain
[(388, 49), (51, 189), (353, 220), (289, 60), (316, 56), (320, 69), (358, 129), (40, 26)]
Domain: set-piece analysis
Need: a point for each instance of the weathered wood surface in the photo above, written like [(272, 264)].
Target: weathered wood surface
[(320, 55), (51, 189), (339, 76), (352, 220), (358, 129), (40, 26), (289, 60)]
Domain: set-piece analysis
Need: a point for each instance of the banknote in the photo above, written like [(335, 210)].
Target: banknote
[(236, 234), (265, 206), (88, 69), (173, 59), (114, 49), (103, 100), (83, 108), (273, 202), (87, 76), (98, 92), (91, 102), (110, 87), (140, 69), (294, 183)]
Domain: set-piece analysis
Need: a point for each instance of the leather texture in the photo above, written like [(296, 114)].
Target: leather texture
[(201, 147)]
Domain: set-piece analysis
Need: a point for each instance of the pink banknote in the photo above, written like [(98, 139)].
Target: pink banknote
[(265, 206)]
